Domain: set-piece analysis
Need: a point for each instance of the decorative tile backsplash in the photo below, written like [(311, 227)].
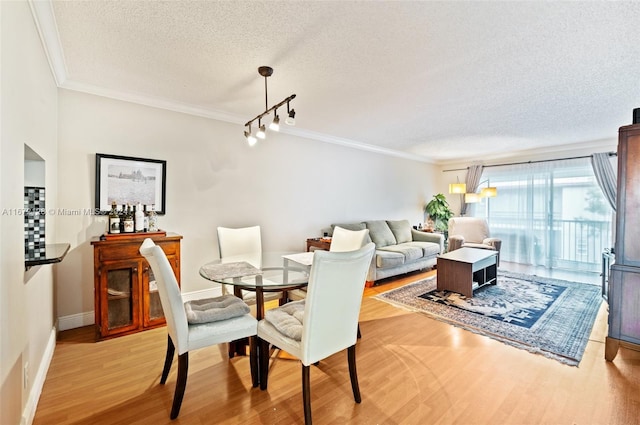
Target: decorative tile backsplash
[(34, 214)]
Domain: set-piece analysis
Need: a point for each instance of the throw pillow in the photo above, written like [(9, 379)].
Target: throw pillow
[(401, 230), (350, 226), (380, 233)]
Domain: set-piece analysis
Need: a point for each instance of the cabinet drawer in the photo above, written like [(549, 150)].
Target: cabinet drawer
[(128, 250)]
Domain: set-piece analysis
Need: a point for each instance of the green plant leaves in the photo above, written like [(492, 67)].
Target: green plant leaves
[(439, 211)]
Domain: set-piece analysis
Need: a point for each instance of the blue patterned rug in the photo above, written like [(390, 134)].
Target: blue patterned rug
[(542, 315)]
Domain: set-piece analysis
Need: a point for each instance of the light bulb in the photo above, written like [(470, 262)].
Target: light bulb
[(251, 139), (291, 119), (261, 134), (275, 124)]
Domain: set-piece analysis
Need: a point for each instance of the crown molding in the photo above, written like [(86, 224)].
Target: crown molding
[(231, 118), (45, 21), (354, 144)]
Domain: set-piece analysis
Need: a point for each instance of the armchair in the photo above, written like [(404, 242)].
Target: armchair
[(472, 232)]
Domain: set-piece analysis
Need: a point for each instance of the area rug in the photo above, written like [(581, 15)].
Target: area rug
[(547, 316)]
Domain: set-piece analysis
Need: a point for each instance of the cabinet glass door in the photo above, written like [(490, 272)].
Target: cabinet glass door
[(120, 295), (153, 307)]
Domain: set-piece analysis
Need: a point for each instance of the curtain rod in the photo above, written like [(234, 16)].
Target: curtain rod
[(529, 162)]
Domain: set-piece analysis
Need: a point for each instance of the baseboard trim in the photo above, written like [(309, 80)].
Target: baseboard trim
[(76, 320), (29, 412), (203, 293), (88, 317)]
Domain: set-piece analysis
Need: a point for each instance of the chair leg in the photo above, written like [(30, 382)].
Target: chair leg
[(359, 334), (263, 367), (167, 360), (306, 394), (181, 385), (353, 374), (253, 361)]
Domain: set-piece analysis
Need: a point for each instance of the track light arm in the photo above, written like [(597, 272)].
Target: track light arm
[(266, 112)]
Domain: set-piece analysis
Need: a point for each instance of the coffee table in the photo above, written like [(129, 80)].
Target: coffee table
[(466, 269)]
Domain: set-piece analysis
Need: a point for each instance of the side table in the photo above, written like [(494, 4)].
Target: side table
[(319, 243)]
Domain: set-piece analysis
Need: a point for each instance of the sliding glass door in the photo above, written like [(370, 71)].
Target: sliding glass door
[(550, 214)]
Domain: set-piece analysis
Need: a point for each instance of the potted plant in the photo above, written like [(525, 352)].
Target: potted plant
[(439, 211)]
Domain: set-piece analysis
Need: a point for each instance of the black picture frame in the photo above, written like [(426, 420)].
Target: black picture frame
[(126, 179)]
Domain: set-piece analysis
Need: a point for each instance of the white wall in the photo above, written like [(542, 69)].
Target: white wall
[(290, 186), (27, 116)]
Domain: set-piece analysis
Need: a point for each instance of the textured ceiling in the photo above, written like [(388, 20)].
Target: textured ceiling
[(439, 80)]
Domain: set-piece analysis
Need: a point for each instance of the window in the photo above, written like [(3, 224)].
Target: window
[(550, 214)]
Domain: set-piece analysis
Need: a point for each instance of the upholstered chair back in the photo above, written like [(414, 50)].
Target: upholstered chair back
[(334, 296), (474, 229), (241, 244), (170, 296), (347, 240)]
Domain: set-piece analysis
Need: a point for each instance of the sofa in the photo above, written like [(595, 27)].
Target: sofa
[(399, 248)]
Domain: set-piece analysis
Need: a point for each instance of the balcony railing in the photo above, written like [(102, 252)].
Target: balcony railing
[(563, 244)]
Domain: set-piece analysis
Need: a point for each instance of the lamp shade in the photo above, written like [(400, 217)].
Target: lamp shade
[(489, 192), (471, 198), (457, 188)]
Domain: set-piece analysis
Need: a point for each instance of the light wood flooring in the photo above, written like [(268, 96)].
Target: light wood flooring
[(412, 370)]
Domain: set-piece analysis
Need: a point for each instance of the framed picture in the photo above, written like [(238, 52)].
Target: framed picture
[(125, 179)]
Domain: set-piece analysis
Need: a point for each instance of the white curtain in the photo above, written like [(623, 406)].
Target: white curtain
[(548, 213)]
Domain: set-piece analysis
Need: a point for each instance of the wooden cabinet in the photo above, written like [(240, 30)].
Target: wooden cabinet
[(624, 279), (125, 294), (318, 243)]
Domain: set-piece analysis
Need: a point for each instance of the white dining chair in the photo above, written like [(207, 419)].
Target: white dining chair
[(243, 244), (325, 322), (348, 240), (185, 336), (342, 240)]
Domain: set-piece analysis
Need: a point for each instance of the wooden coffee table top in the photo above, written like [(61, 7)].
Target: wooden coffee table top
[(468, 255)]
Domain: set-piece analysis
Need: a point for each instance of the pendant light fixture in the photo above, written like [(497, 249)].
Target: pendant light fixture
[(266, 72)]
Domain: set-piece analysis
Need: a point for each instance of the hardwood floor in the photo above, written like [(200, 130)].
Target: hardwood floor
[(412, 370)]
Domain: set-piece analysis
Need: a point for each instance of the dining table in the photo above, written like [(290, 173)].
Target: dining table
[(260, 273)]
